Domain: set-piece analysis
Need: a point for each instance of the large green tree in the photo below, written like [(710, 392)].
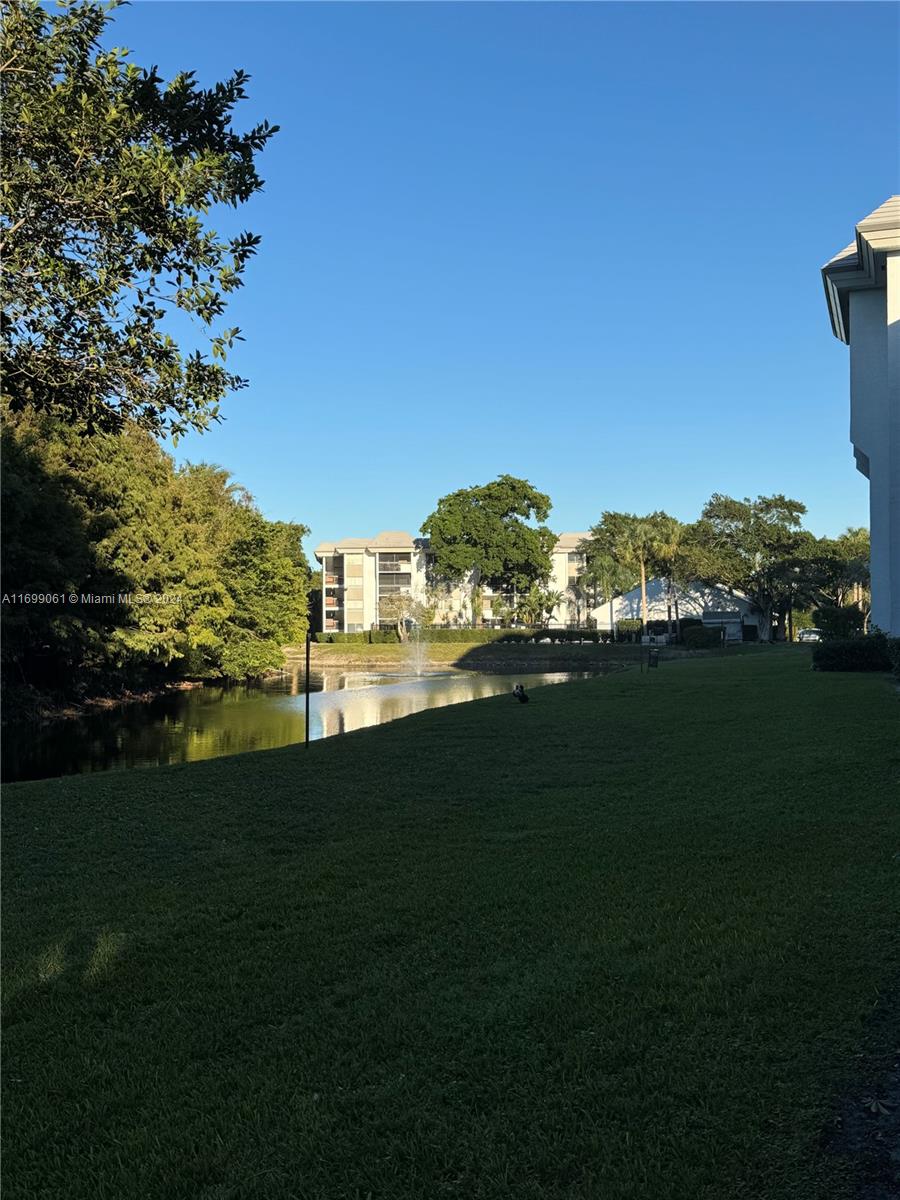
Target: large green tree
[(483, 534), (751, 547), (215, 589), (109, 178)]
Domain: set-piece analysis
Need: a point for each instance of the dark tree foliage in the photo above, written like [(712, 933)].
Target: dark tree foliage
[(108, 177), (214, 589)]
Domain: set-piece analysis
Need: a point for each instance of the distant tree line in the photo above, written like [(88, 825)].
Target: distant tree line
[(756, 549)]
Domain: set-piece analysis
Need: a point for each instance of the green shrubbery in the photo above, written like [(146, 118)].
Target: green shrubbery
[(873, 653), (698, 637), (479, 636), (845, 621)]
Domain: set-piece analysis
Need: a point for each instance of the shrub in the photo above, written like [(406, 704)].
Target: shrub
[(698, 637), (381, 637), (871, 653), (893, 649), (835, 622), (628, 625), (324, 637), (350, 637)]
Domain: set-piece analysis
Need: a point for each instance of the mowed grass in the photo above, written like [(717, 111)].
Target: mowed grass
[(624, 942)]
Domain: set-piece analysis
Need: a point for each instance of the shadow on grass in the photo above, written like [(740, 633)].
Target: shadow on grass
[(545, 656)]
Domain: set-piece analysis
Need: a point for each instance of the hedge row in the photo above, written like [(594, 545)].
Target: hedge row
[(697, 637), (873, 653), (471, 636)]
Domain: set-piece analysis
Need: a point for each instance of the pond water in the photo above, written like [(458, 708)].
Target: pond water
[(208, 722)]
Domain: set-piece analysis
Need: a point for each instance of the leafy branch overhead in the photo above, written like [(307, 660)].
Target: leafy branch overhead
[(109, 175)]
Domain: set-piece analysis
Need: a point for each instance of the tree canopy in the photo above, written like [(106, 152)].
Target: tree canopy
[(109, 176), (749, 546), (192, 580), (485, 530)]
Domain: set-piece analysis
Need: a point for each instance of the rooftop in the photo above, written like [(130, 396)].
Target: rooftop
[(861, 264)]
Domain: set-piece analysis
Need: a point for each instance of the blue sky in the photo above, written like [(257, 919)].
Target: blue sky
[(578, 243)]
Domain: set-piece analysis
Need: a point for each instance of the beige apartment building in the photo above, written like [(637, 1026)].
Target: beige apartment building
[(358, 573)]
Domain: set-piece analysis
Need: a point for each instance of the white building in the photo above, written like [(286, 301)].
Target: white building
[(357, 573), (862, 285), (714, 606)]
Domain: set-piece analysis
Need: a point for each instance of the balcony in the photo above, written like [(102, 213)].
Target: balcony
[(385, 567), (334, 581)]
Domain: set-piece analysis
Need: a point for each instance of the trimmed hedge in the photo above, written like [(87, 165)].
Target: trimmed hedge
[(873, 653), (697, 637), (561, 636), (478, 636), (471, 636)]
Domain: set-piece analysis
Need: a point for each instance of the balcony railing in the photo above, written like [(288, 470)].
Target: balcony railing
[(384, 567), (334, 581)]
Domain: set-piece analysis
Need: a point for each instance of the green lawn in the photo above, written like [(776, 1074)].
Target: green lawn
[(624, 942)]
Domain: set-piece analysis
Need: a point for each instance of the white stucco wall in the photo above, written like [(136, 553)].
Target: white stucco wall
[(893, 385), (692, 602), (875, 431)]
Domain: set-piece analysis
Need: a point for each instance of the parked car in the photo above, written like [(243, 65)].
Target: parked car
[(809, 635)]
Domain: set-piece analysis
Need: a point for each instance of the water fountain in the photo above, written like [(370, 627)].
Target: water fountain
[(416, 653)]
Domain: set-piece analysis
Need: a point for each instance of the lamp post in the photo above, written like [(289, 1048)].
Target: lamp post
[(308, 635)]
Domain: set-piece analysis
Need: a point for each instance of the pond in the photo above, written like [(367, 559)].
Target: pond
[(207, 722)]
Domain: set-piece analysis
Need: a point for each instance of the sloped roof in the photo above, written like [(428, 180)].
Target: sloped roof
[(861, 264), (569, 541)]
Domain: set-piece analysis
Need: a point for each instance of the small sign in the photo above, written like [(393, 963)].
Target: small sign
[(653, 657)]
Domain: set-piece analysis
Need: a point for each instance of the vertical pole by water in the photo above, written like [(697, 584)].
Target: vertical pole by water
[(307, 685)]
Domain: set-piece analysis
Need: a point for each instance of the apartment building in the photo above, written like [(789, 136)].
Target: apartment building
[(359, 573)]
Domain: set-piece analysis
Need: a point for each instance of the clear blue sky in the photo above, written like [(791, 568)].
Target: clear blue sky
[(578, 243)]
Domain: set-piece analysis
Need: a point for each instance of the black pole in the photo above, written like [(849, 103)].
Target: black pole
[(307, 686)]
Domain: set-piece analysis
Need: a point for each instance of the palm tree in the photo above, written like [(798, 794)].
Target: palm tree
[(668, 537), (608, 575)]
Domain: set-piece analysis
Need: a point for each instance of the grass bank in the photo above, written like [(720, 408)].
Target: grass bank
[(623, 943), (474, 657)]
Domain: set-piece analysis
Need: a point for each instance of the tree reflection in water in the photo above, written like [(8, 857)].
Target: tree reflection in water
[(212, 721)]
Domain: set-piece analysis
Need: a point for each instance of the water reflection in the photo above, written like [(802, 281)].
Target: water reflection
[(212, 721)]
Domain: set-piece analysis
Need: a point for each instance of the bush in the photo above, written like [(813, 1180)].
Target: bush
[(381, 637), (835, 622), (893, 648), (357, 638), (698, 637), (628, 625), (873, 653), (323, 637)]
